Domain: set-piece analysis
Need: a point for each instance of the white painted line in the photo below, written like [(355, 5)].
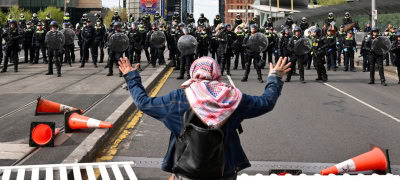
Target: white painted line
[(230, 81), (362, 102)]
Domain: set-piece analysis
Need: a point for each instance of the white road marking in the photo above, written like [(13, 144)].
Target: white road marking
[(362, 102), (230, 81)]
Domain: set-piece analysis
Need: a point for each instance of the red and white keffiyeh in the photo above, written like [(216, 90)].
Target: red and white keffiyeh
[(213, 101)]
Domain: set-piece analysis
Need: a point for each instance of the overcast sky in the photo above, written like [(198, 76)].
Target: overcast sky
[(208, 7)]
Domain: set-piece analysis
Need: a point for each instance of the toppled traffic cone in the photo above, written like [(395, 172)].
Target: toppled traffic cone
[(45, 106), (74, 120), (377, 160), (42, 134)]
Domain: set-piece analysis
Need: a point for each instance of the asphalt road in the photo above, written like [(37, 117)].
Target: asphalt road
[(312, 123), (78, 87)]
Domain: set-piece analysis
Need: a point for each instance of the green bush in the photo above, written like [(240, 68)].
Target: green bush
[(3, 18), (329, 2), (15, 11), (56, 13)]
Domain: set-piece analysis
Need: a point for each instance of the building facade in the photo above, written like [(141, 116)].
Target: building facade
[(133, 7), (221, 9), (235, 7)]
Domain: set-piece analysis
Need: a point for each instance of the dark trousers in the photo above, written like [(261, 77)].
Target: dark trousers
[(172, 56), (86, 46), (269, 51), (146, 52), (339, 55), (29, 52), (96, 46), (294, 60), (213, 53), (39, 48), (331, 58), (80, 43), (1, 51), (387, 59), (134, 54), (101, 46), (54, 54), (239, 52), (378, 60), (255, 57), (308, 60), (186, 62), (319, 62), (225, 59), (349, 60), (365, 63), (12, 55), (69, 54), (156, 53), (113, 58), (276, 55), (203, 52)]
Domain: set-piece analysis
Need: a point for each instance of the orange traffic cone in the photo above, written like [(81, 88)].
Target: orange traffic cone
[(42, 134), (45, 106), (376, 159), (73, 121)]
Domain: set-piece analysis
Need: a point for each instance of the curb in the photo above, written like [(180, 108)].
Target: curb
[(88, 149)]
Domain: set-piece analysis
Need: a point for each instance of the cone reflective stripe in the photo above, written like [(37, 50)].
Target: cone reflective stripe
[(376, 159), (45, 106), (74, 120), (42, 134)]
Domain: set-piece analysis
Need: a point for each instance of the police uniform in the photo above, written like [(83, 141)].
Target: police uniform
[(295, 58), (375, 59), (214, 44), (270, 49), (251, 56), (1, 46), (226, 39), (114, 56), (340, 35), (396, 50), (365, 54), (100, 34), (239, 50), (12, 37), (143, 32), (331, 52), (155, 52), (69, 47), (39, 44), (217, 20), (27, 43), (172, 45), (318, 52), (54, 50), (135, 43), (204, 42), (349, 46), (88, 36)]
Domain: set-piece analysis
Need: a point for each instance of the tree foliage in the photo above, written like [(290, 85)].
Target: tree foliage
[(56, 13), (15, 11)]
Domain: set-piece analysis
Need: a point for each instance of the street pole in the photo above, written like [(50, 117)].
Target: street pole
[(277, 4), (291, 4), (247, 14), (65, 6), (270, 9), (373, 21)]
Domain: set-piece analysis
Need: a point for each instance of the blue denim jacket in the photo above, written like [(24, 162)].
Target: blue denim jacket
[(170, 109)]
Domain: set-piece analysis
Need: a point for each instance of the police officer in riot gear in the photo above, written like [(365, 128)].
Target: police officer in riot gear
[(284, 44), (190, 19), (100, 34), (238, 21), (22, 21), (135, 43), (12, 36), (340, 36), (304, 24), (201, 19), (375, 59), (225, 48), (47, 21), (214, 43), (295, 58), (35, 19), (143, 32), (27, 42), (269, 23), (329, 20), (396, 50), (176, 18), (116, 17), (155, 52), (88, 36), (54, 49), (84, 18), (131, 19), (204, 42), (347, 19), (157, 16), (269, 34), (331, 50), (39, 44), (186, 60), (318, 53), (239, 50), (217, 20), (289, 22), (69, 44), (146, 21), (114, 56), (365, 53), (67, 18), (349, 48), (178, 35), (1, 46), (251, 56), (172, 45)]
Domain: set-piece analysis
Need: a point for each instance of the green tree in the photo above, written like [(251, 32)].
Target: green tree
[(56, 13), (3, 18), (15, 11), (108, 17)]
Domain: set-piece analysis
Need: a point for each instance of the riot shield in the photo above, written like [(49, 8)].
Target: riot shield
[(55, 40), (381, 45), (257, 43), (187, 45), (119, 42), (157, 39), (69, 35), (302, 46)]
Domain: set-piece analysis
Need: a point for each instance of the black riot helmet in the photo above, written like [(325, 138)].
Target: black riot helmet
[(54, 24), (330, 14), (297, 29), (374, 29), (318, 32), (347, 14), (202, 15)]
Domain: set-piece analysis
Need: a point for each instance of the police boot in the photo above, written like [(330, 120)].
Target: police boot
[(383, 83), (58, 70), (259, 75), (182, 73), (325, 77), (45, 61), (101, 58), (178, 61)]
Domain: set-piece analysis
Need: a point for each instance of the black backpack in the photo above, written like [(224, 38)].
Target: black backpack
[(199, 149)]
